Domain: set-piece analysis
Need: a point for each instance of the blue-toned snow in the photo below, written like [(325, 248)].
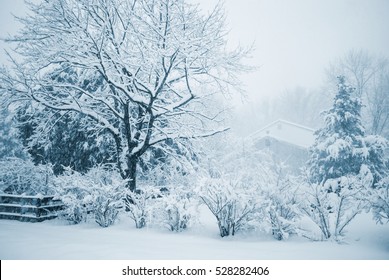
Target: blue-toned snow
[(57, 240)]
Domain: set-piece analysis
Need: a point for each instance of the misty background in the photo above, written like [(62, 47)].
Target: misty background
[(294, 42)]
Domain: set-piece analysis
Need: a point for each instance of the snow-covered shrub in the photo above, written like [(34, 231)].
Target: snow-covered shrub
[(378, 199), (280, 208), (176, 209), (332, 211), (77, 202), (380, 203), (140, 204), (19, 176), (100, 192), (231, 202), (106, 210), (245, 175), (278, 212)]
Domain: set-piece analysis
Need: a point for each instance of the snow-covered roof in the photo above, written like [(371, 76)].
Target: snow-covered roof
[(288, 132)]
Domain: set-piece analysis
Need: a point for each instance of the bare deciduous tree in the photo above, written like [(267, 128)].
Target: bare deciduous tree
[(369, 74), (158, 65)]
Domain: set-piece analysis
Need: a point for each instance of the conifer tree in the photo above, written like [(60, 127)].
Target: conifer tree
[(344, 164), (341, 147), (10, 145)]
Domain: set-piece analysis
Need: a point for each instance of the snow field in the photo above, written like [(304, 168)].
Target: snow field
[(57, 240)]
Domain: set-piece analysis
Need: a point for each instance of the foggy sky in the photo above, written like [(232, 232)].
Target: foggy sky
[(294, 40)]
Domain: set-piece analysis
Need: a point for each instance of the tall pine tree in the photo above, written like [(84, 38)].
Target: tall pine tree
[(341, 147), (344, 163)]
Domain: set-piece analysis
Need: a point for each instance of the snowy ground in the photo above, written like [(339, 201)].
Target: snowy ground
[(57, 240)]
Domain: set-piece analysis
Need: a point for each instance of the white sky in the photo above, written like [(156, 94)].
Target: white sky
[(294, 40)]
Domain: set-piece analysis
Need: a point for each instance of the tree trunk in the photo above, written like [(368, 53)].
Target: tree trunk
[(131, 173), (126, 164)]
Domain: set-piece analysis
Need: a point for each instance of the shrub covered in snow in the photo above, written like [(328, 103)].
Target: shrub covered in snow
[(98, 192), (231, 202), (280, 208), (106, 209), (378, 200), (176, 209), (332, 211), (139, 204), (250, 190), (19, 176), (77, 201)]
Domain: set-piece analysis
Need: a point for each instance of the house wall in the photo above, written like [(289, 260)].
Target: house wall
[(288, 132), (293, 156)]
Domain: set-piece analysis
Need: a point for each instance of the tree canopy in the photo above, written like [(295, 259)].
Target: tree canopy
[(158, 65)]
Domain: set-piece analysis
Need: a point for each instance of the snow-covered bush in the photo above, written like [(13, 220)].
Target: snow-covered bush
[(176, 209), (231, 202), (140, 204), (106, 210), (19, 176), (378, 200), (77, 201), (172, 207), (280, 208), (99, 192), (243, 176), (332, 211)]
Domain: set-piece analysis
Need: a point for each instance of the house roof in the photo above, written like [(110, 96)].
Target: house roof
[(288, 132)]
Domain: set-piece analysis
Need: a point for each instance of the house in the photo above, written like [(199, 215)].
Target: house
[(289, 142)]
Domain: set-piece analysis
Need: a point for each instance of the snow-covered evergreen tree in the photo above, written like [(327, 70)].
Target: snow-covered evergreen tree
[(341, 146), (335, 152), (65, 140), (10, 144), (343, 163)]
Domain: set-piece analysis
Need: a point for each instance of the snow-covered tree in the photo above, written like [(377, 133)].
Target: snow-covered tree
[(159, 62), (339, 147), (10, 144), (369, 73), (343, 162), (63, 141)]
